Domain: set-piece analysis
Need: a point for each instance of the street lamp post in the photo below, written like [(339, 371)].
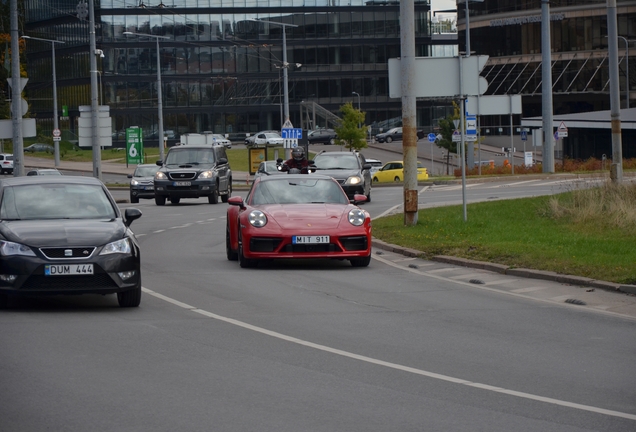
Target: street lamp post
[(626, 69), (159, 96), (56, 144), (357, 94)]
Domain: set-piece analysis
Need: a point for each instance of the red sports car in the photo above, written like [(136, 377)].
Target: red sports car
[(297, 216)]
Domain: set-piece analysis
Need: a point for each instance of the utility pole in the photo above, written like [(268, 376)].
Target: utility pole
[(97, 150), (546, 89), (16, 90), (616, 171)]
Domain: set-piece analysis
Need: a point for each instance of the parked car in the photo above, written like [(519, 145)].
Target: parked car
[(349, 169), (375, 165), (264, 139), (66, 235), (43, 171), (193, 171), (297, 216), (38, 147), (221, 140), (322, 136), (142, 183), (249, 141), (395, 134), (6, 163), (267, 168), (394, 172)]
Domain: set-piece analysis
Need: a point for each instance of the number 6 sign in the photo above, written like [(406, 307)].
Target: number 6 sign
[(134, 146)]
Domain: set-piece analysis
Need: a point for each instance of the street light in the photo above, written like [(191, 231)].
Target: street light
[(626, 68), (357, 94), (159, 96), (56, 144)]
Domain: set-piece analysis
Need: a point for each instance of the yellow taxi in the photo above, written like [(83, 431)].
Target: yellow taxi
[(394, 172)]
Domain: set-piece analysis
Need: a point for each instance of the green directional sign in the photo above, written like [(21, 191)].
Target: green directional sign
[(134, 146)]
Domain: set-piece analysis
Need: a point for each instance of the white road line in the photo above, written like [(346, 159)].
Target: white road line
[(390, 365), (530, 289), (158, 231), (441, 270), (500, 282), (467, 276)]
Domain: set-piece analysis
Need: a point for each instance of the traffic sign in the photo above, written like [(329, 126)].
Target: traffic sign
[(562, 131), (57, 133), (524, 135), (471, 128), (432, 137), (294, 133), (457, 137)]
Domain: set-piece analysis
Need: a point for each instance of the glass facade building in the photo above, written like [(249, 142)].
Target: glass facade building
[(509, 31), (221, 69)]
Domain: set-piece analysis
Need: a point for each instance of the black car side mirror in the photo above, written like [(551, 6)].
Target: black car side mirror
[(160, 163), (129, 176), (130, 215), (222, 161)]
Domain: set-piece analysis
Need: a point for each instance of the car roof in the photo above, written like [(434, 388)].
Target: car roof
[(337, 153), (147, 165), (17, 181)]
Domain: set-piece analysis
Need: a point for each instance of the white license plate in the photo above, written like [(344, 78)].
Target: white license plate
[(317, 239), (68, 269), (149, 188), (181, 183)]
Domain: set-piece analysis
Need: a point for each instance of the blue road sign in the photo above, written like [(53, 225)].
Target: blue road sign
[(432, 137), (524, 135), (293, 133)]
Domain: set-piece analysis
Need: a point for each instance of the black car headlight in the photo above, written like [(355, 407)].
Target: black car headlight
[(353, 180), (257, 218), (160, 176), (8, 248), (120, 246), (357, 217)]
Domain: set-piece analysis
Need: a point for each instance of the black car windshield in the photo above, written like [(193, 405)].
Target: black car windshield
[(297, 191), (336, 162), (146, 171), (55, 201), (185, 156)]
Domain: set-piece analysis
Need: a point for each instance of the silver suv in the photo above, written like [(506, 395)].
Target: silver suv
[(6, 163)]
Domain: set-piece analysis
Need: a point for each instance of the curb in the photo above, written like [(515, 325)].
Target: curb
[(512, 271)]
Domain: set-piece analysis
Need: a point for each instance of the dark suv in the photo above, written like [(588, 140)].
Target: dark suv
[(193, 171), (350, 169)]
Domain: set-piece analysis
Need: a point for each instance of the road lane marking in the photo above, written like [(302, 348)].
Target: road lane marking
[(390, 365), (530, 289)]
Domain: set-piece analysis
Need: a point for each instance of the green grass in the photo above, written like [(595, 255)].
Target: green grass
[(522, 233)]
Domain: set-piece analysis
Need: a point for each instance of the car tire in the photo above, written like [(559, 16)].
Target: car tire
[(332, 141), (130, 298), (397, 179), (231, 255), (227, 196), (389, 139), (175, 200), (375, 180), (245, 262), (213, 198), (160, 200), (134, 199), (361, 262)]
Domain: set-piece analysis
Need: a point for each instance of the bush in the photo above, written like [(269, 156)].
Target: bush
[(568, 165)]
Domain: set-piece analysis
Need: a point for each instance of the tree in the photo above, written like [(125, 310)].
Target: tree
[(349, 132)]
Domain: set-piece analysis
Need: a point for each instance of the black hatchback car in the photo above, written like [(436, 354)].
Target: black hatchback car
[(66, 235), (350, 169), (142, 182), (193, 171)]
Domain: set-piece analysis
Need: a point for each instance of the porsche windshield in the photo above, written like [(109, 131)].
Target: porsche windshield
[(190, 156), (298, 191)]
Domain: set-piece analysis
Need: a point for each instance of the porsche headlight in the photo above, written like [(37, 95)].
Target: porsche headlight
[(206, 175), (8, 248), (134, 182), (160, 176), (120, 246), (357, 217), (257, 218), (353, 180)]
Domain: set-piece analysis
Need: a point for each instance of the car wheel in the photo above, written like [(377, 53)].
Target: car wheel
[(134, 199), (175, 200), (227, 196), (130, 298), (231, 255), (160, 200), (332, 141), (389, 139), (245, 262), (375, 180), (396, 179), (213, 198), (360, 262)]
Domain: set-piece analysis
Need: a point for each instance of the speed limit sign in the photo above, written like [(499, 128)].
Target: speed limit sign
[(56, 133)]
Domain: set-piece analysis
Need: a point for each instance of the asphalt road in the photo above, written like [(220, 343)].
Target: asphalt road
[(404, 345)]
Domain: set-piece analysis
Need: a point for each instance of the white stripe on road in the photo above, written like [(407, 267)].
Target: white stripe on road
[(390, 365)]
